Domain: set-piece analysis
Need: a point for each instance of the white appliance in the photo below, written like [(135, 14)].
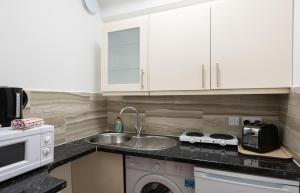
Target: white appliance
[(212, 181), (197, 137), (145, 175), (22, 151)]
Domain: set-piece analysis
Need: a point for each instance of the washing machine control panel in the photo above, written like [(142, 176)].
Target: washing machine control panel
[(156, 166), (159, 166), (137, 163)]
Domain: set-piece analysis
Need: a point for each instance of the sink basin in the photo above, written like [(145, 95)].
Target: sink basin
[(109, 138), (147, 142), (151, 143)]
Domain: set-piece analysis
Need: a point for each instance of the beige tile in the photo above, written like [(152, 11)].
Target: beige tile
[(208, 100), (59, 135), (174, 113), (291, 140), (83, 128), (46, 98), (295, 90), (260, 100), (290, 121), (149, 100), (74, 115)]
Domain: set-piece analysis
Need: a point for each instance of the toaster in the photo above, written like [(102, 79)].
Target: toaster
[(260, 137)]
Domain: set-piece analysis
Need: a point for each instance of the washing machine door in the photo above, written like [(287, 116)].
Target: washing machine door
[(156, 184)]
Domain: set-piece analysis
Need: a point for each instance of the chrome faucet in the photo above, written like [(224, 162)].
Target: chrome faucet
[(138, 126)]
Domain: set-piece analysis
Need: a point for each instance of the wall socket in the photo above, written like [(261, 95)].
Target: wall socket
[(234, 121), (251, 119)]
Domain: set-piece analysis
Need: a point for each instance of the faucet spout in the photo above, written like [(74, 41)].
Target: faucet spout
[(138, 126)]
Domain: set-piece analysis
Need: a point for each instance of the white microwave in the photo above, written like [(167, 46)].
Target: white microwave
[(22, 151)]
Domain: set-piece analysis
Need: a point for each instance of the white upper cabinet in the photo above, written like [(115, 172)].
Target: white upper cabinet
[(125, 63), (217, 47), (179, 49), (251, 44)]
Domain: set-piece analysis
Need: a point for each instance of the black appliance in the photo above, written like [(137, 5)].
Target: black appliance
[(12, 102), (260, 137)]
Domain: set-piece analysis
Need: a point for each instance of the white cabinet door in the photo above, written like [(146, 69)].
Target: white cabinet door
[(179, 49), (251, 44), (124, 65), (215, 181)]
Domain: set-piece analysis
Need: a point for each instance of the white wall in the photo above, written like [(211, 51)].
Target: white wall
[(297, 44), (49, 45)]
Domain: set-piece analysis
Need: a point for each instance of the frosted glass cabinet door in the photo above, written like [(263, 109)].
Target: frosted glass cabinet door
[(125, 57)]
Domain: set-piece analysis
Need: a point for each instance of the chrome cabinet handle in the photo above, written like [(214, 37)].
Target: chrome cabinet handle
[(218, 74), (203, 76), (142, 79)]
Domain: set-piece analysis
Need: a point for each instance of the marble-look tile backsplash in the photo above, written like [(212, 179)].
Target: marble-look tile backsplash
[(77, 115), (172, 115), (290, 121), (74, 115)]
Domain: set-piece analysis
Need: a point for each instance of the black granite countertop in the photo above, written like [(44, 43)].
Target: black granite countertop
[(39, 180), (208, 156), (217, 157)]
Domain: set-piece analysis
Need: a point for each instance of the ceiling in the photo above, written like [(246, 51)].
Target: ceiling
[(119, 9), (106, 3)]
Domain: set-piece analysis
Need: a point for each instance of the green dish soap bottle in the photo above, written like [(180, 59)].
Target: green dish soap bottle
[(119, 125)]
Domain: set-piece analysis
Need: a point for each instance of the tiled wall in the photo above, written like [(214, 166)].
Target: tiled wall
[(172, 115), (74, 115), (77, 115), (290, 121)]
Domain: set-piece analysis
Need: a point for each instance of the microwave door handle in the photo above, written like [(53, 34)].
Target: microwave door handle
[(25, 99), (245, 182), (18, 105)]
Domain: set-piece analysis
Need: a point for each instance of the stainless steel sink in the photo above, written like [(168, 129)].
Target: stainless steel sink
[(109, 138), (150, 143), (146, 142)]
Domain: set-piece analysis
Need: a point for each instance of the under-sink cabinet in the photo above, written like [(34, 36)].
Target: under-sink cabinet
[(99, 172), (216, 47)]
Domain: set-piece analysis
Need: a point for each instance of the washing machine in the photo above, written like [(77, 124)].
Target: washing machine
[(144, 175)]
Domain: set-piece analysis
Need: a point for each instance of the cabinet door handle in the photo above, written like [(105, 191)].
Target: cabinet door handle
[(142, 79), (218, 74), (203, 76)]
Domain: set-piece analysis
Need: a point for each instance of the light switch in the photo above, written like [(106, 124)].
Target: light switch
[(234, 121)]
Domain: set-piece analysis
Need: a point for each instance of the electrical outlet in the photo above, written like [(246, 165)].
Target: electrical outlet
[(251, 119), (234, 121)]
